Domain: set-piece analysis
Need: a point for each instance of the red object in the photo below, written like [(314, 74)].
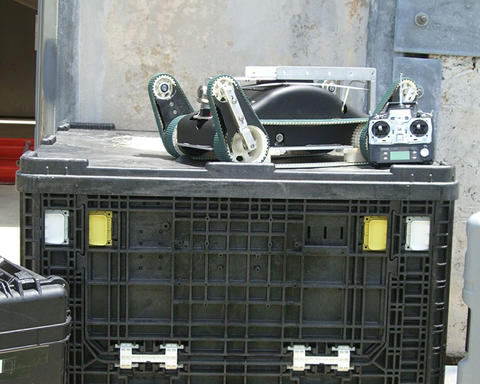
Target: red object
[(10, 151)]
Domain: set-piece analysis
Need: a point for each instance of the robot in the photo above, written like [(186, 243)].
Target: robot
[(282, 111)]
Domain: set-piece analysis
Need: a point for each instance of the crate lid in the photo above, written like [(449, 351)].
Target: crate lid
[(132, 163)]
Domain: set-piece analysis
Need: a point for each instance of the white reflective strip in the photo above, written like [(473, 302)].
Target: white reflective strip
[(418, 233), (1, 366), (17, 121), (56, 227)]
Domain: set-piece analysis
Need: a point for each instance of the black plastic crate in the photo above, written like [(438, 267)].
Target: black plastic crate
[(34, 326), (238, 263)]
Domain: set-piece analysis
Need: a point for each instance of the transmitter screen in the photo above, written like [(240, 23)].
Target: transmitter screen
[(400, 155)]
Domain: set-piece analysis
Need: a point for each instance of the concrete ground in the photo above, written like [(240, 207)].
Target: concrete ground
[(9, 223), (10, 242)]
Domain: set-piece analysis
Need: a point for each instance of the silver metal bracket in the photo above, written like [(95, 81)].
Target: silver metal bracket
[(301, 361), (168, 360), (240, 120), (329, 74), (427, 74)]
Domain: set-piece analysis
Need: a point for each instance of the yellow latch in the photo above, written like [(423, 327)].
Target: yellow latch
[(375, 233), (100, 228)]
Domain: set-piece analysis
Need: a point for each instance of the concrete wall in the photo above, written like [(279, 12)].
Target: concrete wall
[(123, 43), (458, 144), (120, 44)]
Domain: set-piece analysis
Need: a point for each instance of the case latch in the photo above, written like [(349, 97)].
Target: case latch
[(168, 360), (301, 361)]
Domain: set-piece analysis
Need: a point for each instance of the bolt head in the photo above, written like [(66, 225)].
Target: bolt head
[(279, 137), (421, 19)]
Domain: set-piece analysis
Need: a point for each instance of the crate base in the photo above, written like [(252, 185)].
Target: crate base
[(237, 263), (238, 281)]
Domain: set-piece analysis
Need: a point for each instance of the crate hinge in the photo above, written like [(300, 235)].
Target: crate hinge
[(167, 360), (301, 361)]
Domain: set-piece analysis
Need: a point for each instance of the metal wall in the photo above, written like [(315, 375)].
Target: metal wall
[(122, 44), (458, 144), (108, 50)]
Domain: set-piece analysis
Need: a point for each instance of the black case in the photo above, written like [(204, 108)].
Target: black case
[(34, 326)]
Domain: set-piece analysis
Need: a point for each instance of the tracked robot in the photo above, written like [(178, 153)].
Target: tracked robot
[(272, 111)]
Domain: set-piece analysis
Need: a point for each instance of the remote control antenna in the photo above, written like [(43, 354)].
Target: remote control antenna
[(401, 89)]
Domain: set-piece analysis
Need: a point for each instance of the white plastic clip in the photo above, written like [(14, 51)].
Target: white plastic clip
[(168, 360), (301, 361)]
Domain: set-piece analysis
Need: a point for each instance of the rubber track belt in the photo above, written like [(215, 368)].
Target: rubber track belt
[(321, 122)]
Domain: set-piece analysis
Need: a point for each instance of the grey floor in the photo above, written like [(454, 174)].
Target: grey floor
[(9, 223), (10, 242)]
